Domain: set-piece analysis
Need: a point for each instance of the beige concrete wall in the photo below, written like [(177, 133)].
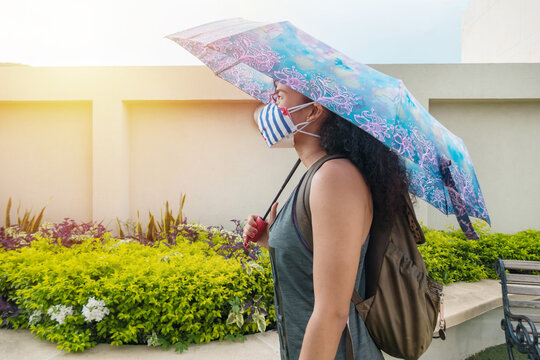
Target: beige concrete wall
[(46, 157), (501, 31), (213, 153), (502, 139), (105, 142)]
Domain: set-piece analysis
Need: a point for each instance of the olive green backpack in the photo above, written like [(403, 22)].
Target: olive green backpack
[(402, 302)]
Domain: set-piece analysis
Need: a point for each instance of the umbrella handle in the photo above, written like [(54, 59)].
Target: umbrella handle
[(261, 227)]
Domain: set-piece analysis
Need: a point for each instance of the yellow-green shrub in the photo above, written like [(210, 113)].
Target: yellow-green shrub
[(168, 294), (450, 257), (190, 285)]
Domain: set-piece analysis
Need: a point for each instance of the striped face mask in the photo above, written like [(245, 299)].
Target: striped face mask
[(277, 127)]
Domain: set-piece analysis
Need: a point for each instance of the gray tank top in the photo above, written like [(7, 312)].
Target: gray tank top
[(292, 269)]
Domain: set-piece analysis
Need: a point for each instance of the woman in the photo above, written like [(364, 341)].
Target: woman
[(313, 290)]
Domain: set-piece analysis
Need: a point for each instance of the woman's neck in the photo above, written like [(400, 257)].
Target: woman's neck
[(309, 152)]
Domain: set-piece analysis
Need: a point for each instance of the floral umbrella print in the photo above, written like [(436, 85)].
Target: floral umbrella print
[(252, 55)]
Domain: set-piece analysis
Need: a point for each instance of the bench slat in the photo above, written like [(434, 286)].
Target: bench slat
[(523, 290), (534, 318), (522, 264), (523, 284), (523, 279), (524, 304)]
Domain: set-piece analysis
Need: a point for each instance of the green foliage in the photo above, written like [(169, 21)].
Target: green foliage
[(450, 257), (161, 295), (236, 316), (190, 284)]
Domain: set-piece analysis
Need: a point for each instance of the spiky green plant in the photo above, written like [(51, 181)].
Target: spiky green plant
[(26, 223), (154, 227)]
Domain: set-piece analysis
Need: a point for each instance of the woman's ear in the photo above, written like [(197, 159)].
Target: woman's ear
[(317, 112)]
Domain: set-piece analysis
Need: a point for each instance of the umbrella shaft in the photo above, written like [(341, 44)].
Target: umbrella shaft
[(282, 187)]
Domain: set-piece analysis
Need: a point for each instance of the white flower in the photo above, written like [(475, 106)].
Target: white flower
[(167, 257), (47, 225), (95, 310), (60, 312), (153, 340), (35, 317), (212, 230), (12, 232), (9, 231), (123, 241), (79, 237)]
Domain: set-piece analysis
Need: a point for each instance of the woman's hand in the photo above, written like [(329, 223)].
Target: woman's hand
[(250, 228)]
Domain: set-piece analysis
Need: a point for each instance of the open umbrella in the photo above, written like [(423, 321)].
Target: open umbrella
[(252, 55)]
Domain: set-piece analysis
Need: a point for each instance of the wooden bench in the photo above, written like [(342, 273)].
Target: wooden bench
[(521, 305)]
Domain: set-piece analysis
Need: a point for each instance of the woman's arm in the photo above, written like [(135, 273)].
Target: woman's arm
[(341, 214)]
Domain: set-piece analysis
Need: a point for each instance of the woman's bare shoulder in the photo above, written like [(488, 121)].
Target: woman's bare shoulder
[(338, 173), (340, 197), (339, 186)]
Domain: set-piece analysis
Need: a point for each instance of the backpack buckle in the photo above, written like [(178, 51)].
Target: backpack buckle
[(442, 322)]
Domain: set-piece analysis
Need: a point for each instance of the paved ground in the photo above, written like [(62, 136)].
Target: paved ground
[(23, 345)]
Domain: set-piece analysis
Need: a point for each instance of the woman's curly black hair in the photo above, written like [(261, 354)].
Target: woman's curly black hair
[(383, 170)]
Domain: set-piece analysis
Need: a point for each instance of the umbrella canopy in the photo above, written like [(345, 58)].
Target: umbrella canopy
[(252, 55)]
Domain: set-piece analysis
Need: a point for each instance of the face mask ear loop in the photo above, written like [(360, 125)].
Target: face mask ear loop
[(299, 107), (304, 124), (307, 133)]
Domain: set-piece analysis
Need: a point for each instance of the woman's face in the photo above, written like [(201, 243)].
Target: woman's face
[(286, 97)]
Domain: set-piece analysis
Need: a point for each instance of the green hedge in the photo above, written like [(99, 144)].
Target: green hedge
[(123, 292), (450, 257), (198, 286)]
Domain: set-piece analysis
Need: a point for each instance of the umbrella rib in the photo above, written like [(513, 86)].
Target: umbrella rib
[(227, 67)]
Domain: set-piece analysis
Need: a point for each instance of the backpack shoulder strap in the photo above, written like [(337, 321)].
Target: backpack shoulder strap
[(302, 211)]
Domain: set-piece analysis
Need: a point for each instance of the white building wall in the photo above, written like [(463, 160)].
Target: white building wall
[(501, 31), (96, 143)]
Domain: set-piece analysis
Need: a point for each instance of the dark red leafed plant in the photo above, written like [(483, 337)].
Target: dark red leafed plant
[(65, 233), (233, 246), (68, 232), (13, 238)]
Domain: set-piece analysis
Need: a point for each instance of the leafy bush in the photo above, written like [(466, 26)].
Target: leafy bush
[(449, 256), (122, 292), (77, 286)]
